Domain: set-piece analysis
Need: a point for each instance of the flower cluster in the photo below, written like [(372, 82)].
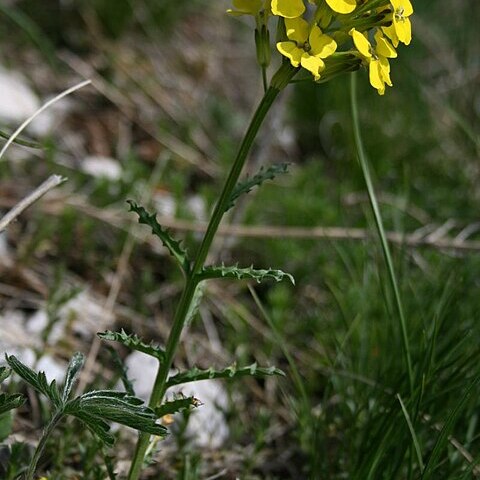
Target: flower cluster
[(329, 37)]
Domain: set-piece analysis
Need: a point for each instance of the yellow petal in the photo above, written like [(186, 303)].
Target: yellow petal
[(322, 45), (313, 64), (391, 34), (288, 8), (403, 29), (361, 43), (376, 77), (297, 29), (291, 51), (385, 71), (383, 46), (342, 6), (403, 6)]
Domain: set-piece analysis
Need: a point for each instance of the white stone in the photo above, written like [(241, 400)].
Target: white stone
[(17, 99), (102, 167)]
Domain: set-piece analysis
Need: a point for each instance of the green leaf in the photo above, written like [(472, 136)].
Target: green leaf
[(177, 405), (97, 426), (195, 374), (133, 342), (172, 245), (9, 402), (243, 273), (107, 405), (4, 373), (263, 175), (74, 367), (37, 380)]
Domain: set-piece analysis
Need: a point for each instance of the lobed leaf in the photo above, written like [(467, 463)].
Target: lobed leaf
[(263, 175), (243, 273), (74, 367), (37, 380), (133, 342), (116, 407), (172, 245), (9, 402), (177, 405), (195, 374)]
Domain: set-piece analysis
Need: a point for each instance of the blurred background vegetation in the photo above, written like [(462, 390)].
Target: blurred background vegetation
[(174, 84)]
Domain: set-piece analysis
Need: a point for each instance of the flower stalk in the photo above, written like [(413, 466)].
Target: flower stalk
[(279, 81)]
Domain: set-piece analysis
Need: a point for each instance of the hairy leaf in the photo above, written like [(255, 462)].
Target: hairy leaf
[(9, 402), (243, 273), (74, 367), (37, 380), (172, 245), (133, 342), (233, 371), (116, 407), (263, 175), (177, 405), (98, 426)]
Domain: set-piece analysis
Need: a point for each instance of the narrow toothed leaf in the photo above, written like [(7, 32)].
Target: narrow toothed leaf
[(133, 342), (172, 245), (233, 371), (37, 380), (177, 405), (243, 273), (263, 175), (9, 402), (74, 367)]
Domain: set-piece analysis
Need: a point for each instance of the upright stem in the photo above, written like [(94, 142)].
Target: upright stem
[(283, 76), (362, 157), (41, 444)]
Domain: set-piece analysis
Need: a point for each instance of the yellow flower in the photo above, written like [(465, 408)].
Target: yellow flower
[(377, 58), (245, 7), (307, 46), (288, 8), (402, 9), (342, 6)]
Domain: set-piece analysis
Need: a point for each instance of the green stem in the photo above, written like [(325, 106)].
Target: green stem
[(362, 157), (41, 444), (160, 385)]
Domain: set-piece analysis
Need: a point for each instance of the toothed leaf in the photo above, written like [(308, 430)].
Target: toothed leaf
[(177, 405), (9, 402), (74, 367), (263, 175), (172, 245), (233, 371), (37, 380), (133, 342), (117, 407), (243, 273)]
